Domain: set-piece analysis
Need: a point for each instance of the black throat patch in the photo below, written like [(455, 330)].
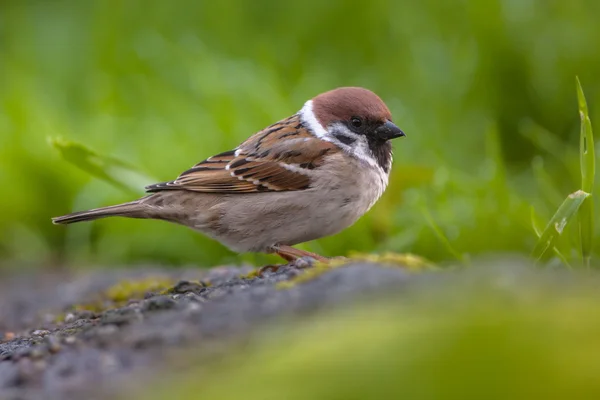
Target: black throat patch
[(382, 151)]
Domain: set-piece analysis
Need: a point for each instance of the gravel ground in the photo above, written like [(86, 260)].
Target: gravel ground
[(52, 349)]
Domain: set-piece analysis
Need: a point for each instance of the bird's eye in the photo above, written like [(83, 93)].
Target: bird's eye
[(356, 122)]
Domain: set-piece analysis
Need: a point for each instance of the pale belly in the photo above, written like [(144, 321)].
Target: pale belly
[(256, 222)]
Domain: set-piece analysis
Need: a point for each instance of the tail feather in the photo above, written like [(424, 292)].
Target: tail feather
[(131, 210)]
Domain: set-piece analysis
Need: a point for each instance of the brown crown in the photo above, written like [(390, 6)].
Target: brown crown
[(341, 104)]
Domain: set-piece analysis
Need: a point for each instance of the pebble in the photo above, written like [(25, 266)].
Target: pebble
[(215, 293), (70, 317), (191, 296), (53, 344), (121, 316), (38, 352), (158, 303), (70, 340), (187, 286)]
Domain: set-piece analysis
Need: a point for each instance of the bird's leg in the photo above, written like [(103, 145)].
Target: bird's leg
[(290, 253)]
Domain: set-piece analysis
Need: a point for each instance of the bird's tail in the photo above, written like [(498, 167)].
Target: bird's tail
[(132, 210)]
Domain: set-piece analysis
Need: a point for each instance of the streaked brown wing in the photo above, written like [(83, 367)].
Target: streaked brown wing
[(277, 158)]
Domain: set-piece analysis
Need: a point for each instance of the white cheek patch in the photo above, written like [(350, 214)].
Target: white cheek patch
[(308, 118)]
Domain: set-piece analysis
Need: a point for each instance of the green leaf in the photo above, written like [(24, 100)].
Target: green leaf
[(586, 229), (112, 170), (588, 171), (557, 223), (586, 144), (536, 228)]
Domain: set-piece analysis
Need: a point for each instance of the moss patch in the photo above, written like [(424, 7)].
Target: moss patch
[(251, 275), (407, 261), (133, 289), (122, 292)]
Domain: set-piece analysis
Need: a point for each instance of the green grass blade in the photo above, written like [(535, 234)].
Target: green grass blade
[(586, 230), (535, 224), (557, 223), (442, 237), (588, 171), (106, 168), (586, 144)]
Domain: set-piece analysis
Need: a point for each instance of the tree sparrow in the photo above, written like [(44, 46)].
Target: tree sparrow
[(305, 177)]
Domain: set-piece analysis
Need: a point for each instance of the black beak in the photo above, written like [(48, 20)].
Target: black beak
[(389, 131)]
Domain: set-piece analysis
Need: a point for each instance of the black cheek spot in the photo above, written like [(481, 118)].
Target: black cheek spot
[(344, 139)]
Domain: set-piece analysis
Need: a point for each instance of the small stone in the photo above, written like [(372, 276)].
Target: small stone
[(70, 317), (218, 292), (40, 332), (38, 352), (9, 335), (158, 303), (70, 340), (187, 286), (121, 316), (53, 344), (304, 262), (194, 297)]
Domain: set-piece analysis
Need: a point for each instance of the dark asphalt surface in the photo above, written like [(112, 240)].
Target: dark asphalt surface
[(48, 350)]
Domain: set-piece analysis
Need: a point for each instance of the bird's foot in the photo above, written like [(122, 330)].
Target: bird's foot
[(290, 254), (301, 263)]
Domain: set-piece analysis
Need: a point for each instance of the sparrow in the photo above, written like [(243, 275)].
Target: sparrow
[(305, 177)]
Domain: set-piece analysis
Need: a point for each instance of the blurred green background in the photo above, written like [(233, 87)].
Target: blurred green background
[(485, 91)]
